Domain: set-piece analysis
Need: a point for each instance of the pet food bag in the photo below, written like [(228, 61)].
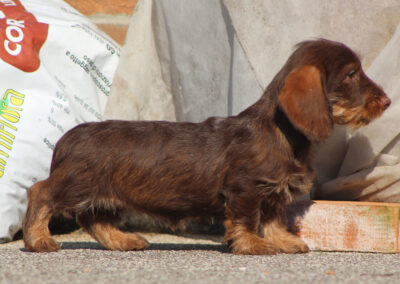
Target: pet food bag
[(56, 70)]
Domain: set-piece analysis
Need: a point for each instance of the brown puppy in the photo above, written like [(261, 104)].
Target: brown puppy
[(246, 167)]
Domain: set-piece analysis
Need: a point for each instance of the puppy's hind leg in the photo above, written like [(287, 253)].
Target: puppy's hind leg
[(102, 226), (35, 225)]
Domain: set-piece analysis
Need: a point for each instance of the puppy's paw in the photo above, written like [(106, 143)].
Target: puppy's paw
[(294, 245), (257, 250), (253, 245), (135, 242), (44, 244), (125, 242)]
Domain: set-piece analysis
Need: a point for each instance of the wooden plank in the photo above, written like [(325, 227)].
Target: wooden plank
[(347, 226), (114, 7)]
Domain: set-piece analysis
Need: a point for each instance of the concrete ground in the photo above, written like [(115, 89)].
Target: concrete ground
[(187, 259)]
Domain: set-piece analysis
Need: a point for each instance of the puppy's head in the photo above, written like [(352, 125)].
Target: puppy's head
[(325, 84)]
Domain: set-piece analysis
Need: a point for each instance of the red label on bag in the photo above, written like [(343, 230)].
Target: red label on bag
[(21, 36)]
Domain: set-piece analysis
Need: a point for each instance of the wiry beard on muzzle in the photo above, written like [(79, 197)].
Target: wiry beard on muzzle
[(349, 116)]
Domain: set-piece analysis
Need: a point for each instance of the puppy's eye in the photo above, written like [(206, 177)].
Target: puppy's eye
[(351, 73)]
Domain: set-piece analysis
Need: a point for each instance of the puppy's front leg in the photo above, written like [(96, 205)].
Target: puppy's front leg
[(274, 229), (242, 224)]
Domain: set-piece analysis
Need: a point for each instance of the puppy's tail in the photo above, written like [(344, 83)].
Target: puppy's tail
[(35, 225)]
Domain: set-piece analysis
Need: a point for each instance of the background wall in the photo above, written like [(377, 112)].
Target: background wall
[(112, 16)]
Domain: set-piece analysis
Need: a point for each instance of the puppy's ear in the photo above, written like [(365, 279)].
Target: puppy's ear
[(303, 101)]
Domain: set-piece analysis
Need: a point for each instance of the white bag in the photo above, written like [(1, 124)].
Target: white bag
[(56, 71)]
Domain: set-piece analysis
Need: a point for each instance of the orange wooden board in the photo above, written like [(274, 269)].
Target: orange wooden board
[(347, 226)]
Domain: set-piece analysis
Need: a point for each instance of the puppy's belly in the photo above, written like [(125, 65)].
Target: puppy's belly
[(177, 203)]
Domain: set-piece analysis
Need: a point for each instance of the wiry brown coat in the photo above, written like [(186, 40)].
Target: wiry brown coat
[(246, 167)]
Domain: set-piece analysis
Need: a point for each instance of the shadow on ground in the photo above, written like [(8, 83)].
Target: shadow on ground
[(154, 247)]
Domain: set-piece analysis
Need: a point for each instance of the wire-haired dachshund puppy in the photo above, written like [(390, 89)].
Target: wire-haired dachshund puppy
[(246, 168)]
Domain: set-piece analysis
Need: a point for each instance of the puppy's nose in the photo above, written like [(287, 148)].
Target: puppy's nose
[(385, 102)]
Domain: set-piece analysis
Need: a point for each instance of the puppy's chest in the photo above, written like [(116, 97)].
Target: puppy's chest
[(299, 182), (288, 178)]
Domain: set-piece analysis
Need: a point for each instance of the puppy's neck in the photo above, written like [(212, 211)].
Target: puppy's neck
[(298, 142), (266, 113)]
